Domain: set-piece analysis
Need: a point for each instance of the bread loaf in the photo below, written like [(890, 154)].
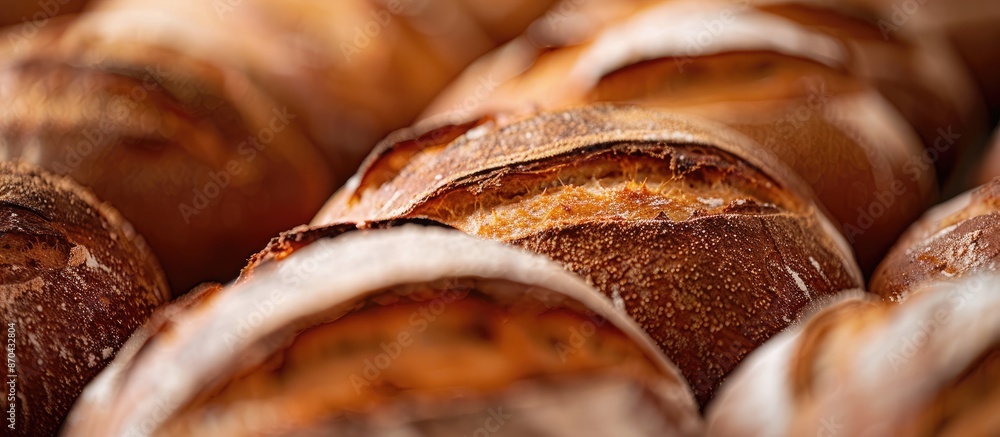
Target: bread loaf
[(842, 107), (204, 163), (700, 235), (957, 238), (388, 332), (968, 26), (339, 66), (926, 367), (75, 280), (214, 125)]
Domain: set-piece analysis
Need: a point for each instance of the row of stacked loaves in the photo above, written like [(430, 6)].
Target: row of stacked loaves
[(703, 249)]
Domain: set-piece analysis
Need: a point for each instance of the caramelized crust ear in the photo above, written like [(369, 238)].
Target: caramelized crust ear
[(75, 281)]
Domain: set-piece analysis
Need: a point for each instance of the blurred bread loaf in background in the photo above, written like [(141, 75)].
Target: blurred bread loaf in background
[(213, 126)]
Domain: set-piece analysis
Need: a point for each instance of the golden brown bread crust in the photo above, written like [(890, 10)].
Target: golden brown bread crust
[(75, 281), (957, 238), (335, 64), (294, 239), (925, 367), (239, 134), (966, 25), (439, 160), (207, 171), (916, 70), (325, 363), (729, 255), (822, 91), (496, 325), (721, 285)]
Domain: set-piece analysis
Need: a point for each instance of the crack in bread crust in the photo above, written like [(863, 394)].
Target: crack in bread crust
[(627, 182), (496, 148)]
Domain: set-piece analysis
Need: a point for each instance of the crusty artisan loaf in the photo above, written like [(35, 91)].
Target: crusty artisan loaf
[(201, 161), (351, 70), (213, 126), (957, 238), (919, 72), (842, 107), (970, 26), (929, 366), (337, 331), (701, 236), (75, 280)]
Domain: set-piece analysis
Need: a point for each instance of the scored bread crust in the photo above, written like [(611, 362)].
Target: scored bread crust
[(415, 165), (680, 222), (821, 90), (75, 280), (229, 164), (334, 64), (148, 391), (243, 118), (954, 239), (926, 366)]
